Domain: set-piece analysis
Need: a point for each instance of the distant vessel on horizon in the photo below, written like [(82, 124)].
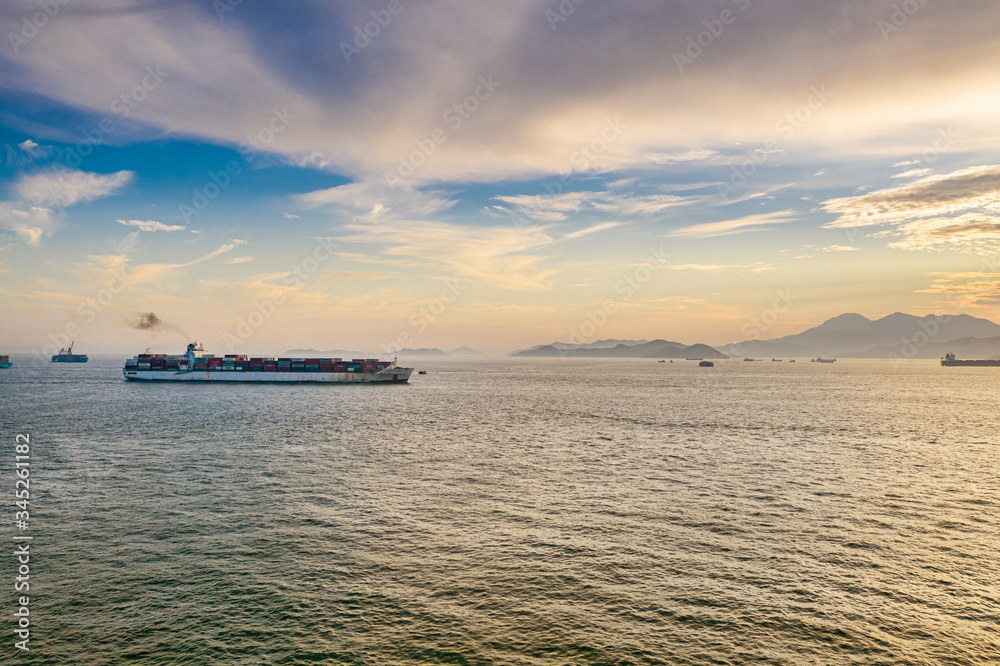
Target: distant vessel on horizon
[(196, 366), (823, 360), (950, 360), (67, 356)]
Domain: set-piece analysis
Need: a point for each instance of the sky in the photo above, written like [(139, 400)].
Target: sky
[(433, 173)]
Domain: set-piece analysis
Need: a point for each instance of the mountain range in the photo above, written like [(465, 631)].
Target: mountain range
[(654, 349), (849, 335)]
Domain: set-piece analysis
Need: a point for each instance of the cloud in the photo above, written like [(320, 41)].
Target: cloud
[(592, 230), (239, 260), (692, 155), (739, 225), (699, 267), (146, 273), (966, 290), (957, 211), (977, 234), (30, 223), (151, 225), (361, 117), (838, 248), (64, 187), (555, 208), (373, 200), (914, 173), (962, 190), (497, 256)]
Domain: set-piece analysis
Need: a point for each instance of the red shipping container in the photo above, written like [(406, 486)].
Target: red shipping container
[(368, 366), (340, 367)]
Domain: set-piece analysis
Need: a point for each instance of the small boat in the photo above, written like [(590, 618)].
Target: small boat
[(775, 360), (5, 362), (421, 372), (753, 359), (792, 361), (823, 360), (706, 364), (661, 361)]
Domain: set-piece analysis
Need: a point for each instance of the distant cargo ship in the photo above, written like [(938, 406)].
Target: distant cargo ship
[(824, 360), (196, 366), (67, 356), (949, 359), (5, 362)]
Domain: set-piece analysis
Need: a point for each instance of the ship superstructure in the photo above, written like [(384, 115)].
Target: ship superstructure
[(67, 356)]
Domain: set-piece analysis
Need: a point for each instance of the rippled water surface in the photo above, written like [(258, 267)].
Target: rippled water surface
[(509, 512)]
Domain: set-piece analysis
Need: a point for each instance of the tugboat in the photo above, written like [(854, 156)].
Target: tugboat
[(5, 362), (67, 356), (706, 364)]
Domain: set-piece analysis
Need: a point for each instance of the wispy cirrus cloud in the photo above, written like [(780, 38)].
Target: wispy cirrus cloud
[(147, 273), (739, 225), (499, 256), (957, 211), (710, 268), (967, 290), (372, 200), (558, 207), (152, 225)]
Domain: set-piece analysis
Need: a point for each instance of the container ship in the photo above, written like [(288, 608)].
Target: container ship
[(5, 362), (197, 366), (949, 359), (67, 356)]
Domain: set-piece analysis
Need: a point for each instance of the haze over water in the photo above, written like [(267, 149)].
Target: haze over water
[(516, 512)]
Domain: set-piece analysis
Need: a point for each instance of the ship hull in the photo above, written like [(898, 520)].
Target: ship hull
[(980, 364), (5, 365), (389, 376), (72, 359)]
